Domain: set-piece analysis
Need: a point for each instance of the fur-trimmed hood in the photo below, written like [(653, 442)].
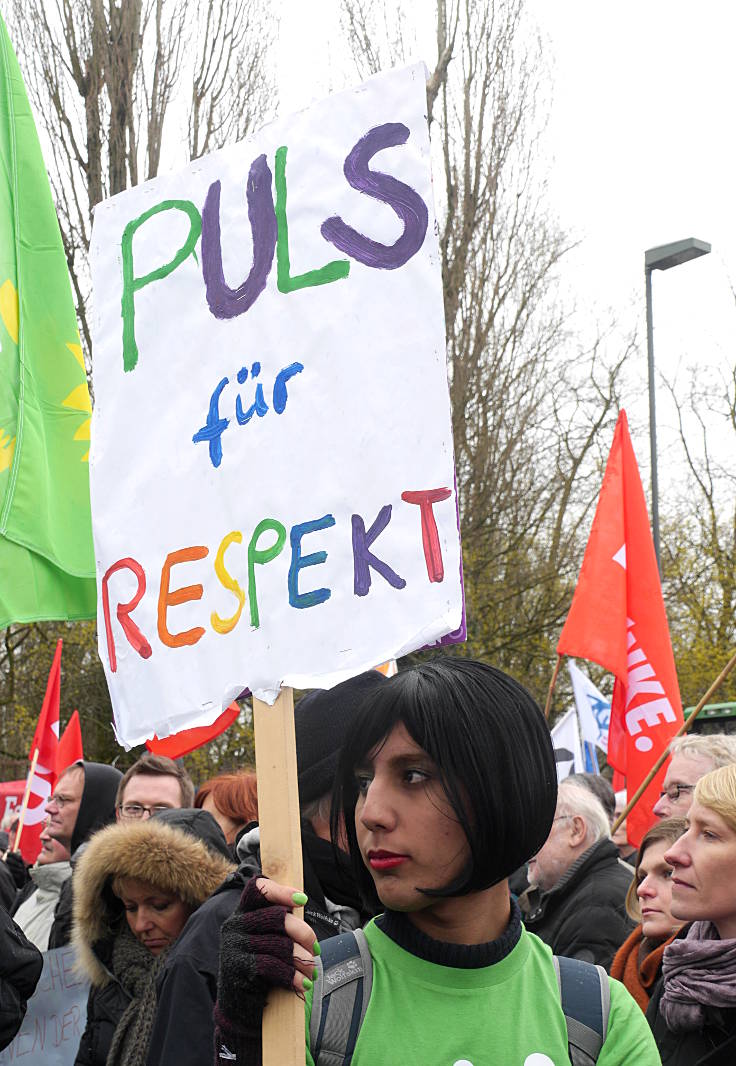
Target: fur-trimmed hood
[(168, 858)]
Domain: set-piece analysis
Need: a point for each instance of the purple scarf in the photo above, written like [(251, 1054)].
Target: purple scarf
[(699, 971)]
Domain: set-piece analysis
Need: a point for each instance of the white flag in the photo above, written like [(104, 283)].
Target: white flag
[(566, 742), (594, 710)]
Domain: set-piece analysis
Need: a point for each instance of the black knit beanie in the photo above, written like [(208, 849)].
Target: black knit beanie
[(323, 718)]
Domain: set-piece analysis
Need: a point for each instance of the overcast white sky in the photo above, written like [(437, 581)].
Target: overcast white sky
[(641, 146), (644, 155)]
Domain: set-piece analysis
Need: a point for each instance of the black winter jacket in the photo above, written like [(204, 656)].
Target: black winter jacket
[(20, 968), (714, 1045), (184, 1030), (8, 888), (105, 1008), (584, 916)]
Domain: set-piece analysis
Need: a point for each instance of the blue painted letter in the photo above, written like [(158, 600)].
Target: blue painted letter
[(214, 427), (280, 395), (299, 561)]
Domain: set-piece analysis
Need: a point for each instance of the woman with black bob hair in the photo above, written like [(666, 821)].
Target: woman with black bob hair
[(489, 744), (446, 784)]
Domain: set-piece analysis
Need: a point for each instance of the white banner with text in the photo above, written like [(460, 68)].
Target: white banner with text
[(272, 465)]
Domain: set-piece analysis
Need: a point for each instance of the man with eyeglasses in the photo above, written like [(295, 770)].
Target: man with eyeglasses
[(576, 902), (82, 802), (692, 757), (152, 784), (63, 804)]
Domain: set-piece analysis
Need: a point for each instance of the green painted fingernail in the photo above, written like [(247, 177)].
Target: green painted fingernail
[(308, 985), (315, 973), (316, 950), (299, 898)]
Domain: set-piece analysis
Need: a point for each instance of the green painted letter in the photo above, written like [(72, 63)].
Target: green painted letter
[(131, 284), (338, 268), (256, 555)]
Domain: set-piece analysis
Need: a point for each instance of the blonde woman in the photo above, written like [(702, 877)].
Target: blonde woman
[(693, 1011)]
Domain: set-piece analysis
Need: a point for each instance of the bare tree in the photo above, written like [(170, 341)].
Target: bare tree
[(375, 34), (530, 403), (231, 92), (26, 654), (108, 80), (699, 534)]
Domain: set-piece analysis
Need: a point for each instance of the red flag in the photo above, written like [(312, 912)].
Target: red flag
[(179, 744), (617, 619), (46, 742), (70, 744)]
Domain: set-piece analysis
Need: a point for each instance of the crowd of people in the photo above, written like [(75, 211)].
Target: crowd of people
[(459, 906)]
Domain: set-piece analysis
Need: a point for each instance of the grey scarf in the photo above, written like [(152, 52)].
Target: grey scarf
[(136, 969), (699, 971)]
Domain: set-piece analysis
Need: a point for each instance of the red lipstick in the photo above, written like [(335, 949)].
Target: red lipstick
[(385, 860)]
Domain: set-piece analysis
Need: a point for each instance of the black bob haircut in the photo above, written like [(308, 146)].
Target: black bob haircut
[(489, 739)]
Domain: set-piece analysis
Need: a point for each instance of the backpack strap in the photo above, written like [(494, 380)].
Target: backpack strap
[(585, 995), (340, 999)]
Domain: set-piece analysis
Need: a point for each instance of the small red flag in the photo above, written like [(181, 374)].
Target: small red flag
[(179, 744), (70, 744), (617, 619), (46, 742)]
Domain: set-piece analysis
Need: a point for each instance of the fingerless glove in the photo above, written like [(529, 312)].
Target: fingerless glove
[(256, 954)]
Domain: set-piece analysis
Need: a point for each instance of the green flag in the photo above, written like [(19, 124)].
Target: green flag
[(46, 553)]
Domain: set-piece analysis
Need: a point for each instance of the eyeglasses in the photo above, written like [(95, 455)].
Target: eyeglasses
[(562, 818), (61, 801), (137, 810), (672, 792)]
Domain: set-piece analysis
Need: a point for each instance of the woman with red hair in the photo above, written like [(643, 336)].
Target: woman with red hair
[(231, 799)]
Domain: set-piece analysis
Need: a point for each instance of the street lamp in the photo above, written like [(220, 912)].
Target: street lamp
[(662, 258)]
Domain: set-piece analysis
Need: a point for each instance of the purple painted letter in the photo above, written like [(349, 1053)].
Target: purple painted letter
[(363, 559), (223, 301), (407, 204)]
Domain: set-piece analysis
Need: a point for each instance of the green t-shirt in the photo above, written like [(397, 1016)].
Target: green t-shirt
[(508, 1014)]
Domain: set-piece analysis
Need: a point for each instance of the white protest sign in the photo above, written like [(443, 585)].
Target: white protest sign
[(272, 465), (56, 1015)]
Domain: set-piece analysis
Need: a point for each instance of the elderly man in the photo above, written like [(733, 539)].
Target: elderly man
[(578, 883), (35, 904), (692, 757)]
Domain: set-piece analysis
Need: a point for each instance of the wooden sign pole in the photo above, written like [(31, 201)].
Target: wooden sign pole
[(281, 858)]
